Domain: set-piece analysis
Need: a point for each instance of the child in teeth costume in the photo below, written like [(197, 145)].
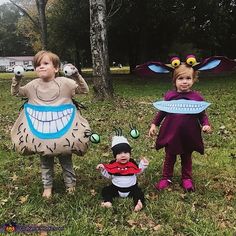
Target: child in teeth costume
[(50, 124), (180, 133), (181, 115), (123, 173)]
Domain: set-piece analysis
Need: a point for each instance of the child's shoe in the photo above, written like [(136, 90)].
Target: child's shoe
[(187, 185), (162, 184)]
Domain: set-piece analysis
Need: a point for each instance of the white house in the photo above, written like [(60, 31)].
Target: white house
[(16, 61)]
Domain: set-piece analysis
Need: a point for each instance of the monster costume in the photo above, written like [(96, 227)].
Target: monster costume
[(49, 123)]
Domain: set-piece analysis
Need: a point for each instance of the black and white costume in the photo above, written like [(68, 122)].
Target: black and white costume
[(123, 176), (123, 185)]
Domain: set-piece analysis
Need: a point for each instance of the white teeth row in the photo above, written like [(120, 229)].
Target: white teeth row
[(49, 115), (184, 106), (50, 126)]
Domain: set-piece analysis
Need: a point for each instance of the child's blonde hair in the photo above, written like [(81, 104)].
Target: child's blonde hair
[(184, 69), (53, 57)]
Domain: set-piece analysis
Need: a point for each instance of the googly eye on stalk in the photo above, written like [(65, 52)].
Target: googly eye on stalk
[(191, 60), (18, 70), (175, 61), (134, 133), (69, 70), (93, 137)]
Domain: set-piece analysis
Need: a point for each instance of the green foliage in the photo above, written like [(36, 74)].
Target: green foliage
[(208, 211), (12, 43)]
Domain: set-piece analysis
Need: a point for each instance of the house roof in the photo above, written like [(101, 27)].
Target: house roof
[(20, 58)]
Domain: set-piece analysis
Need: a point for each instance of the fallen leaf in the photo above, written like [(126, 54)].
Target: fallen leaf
[(131, 222), (99, 226), (14, 177), (157, 227), (3, 201), (93, 192), (23, 199)]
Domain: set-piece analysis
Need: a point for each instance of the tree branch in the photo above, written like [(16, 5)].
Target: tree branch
[(112, 11), (36, 24)]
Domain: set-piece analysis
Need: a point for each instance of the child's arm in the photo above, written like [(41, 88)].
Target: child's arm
[(16, 90), (103, 171), (156, 122), (204, 121), (82, 85)]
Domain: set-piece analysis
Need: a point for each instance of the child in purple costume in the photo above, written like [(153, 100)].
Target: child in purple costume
[(180, 134)]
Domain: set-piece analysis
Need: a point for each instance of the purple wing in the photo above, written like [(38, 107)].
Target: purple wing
[(215, 64), (152, 68)]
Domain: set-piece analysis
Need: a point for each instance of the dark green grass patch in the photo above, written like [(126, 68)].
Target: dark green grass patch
[(208, 211)]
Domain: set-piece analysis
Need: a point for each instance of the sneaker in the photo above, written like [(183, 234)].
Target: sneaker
[(187, 185), (162, 184)]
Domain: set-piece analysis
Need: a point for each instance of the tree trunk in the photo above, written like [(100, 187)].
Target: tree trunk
[(99, 49), (41, 6)]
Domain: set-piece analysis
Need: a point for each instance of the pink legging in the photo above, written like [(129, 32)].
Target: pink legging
[(169, 162)]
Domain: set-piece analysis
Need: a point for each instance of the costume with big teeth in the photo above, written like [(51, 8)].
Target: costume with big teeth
[(181, 115), (50, 124)]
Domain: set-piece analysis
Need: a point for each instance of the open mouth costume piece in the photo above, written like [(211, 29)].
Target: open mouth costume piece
[(182, 113), (50, 124)]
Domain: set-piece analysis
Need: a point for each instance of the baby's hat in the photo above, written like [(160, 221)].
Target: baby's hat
[(120, 144)]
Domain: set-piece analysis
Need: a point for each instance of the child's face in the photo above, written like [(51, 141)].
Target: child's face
[(46, 70), (184, 83), (123, 157)]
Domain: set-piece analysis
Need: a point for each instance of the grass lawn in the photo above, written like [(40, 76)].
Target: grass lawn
[(208, 211)]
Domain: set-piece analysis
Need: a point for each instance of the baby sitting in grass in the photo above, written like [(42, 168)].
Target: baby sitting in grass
[(123, 173)]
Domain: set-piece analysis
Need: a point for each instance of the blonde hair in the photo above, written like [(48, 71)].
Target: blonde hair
[(53, 57), (184, 69)]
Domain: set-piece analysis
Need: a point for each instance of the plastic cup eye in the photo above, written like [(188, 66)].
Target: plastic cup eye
[(175, 62), (134, 133), (18, 70), (191, 60), (94, 138)]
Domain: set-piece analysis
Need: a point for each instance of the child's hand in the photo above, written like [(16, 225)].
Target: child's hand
[(152, 131), (206, 128), (145, 161), (100, 167)]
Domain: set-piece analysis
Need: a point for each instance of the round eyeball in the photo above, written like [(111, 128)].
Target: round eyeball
[(134, 133), (191, 60), (18, 70), (175, 62), (69, 71), (94, 138)]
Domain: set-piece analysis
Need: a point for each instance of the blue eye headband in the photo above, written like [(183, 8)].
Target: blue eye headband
[(215, 64)]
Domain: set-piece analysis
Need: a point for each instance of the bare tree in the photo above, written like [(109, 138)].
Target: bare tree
[(40, 23), (99, 49)]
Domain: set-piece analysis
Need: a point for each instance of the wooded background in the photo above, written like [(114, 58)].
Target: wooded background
[(138, 30), (104, 33)]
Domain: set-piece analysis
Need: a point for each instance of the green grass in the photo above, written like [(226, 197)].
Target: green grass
[(208, 211)]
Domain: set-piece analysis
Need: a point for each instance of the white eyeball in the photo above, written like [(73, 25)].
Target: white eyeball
[(69, 70), (18, 70)]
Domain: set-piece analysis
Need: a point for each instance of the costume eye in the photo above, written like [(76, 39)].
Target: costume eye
[(134, 133), (191, 60), (175, 62), (94, 138)]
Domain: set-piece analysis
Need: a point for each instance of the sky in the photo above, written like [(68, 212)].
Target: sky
[(3, 1)]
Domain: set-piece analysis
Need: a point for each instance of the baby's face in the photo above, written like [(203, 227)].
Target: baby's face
[(123, 157)]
